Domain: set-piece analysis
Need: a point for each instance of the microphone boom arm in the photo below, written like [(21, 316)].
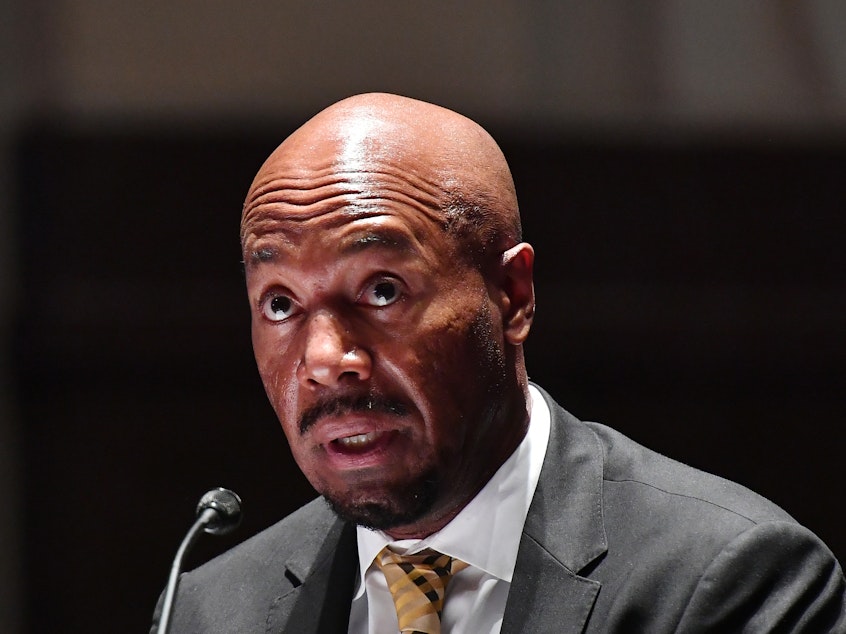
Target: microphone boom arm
[(218, 512), (173, 580)]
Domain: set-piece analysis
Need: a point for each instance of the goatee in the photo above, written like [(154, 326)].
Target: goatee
[(408, 504)]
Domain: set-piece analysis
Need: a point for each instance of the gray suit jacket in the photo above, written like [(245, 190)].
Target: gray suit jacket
[(617, 539)]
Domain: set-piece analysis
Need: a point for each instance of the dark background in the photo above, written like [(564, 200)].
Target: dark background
[(689, 294)]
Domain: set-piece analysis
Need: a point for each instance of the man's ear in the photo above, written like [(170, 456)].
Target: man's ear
[(517, 291)]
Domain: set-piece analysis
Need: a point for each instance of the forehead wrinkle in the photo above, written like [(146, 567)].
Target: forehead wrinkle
[(300, 189), (300, 199), (305, 190)]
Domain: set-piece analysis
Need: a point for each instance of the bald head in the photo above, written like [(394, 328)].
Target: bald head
[(381, 146)]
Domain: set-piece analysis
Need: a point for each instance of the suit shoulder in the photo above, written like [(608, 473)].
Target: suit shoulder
[(637, 470), (235, 591), (302, 531), (653, 531)]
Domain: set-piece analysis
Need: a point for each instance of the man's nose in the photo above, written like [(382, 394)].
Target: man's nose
[(330, 355)]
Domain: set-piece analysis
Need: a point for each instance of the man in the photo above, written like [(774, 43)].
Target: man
[(390, 295)]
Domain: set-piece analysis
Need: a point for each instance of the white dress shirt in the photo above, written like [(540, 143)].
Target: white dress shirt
[(485, 534)]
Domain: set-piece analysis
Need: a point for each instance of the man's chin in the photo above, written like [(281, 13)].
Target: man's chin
[(402, 508)]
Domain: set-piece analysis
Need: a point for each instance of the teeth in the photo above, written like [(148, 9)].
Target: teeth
[(358, 440)]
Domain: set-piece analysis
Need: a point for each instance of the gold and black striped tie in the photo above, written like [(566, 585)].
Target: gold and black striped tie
[(417, 584)]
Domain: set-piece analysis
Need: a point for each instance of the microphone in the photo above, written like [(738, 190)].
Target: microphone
[(218, 513), (227, 511)]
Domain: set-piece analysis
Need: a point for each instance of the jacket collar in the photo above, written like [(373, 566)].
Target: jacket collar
[(564, 534), (319, 578)]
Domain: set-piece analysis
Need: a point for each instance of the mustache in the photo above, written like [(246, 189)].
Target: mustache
[(340, 405)]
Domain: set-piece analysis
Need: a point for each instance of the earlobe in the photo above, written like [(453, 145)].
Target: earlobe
[(518, 292)]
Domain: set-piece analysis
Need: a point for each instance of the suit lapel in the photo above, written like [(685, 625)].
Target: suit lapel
[(564, 533), (320, 587), (545, 596)]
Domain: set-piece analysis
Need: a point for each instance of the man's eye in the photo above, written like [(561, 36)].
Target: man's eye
[(381, 293), (278, 307)]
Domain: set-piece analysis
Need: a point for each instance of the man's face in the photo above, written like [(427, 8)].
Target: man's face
[(381, 352)]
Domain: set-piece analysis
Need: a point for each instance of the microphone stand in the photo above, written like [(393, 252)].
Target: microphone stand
[(218, 513), (205, 517)]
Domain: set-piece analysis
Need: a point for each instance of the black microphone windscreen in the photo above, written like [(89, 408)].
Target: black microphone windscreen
[(227, 505)]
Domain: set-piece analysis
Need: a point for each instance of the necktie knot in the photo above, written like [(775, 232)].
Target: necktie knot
[(417, 584)]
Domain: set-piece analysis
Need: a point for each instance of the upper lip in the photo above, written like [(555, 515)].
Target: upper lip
[(350, 414)]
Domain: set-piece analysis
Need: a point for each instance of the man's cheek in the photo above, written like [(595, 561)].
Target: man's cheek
[(276, 394)]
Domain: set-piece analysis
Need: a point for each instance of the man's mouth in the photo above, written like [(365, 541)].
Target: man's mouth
[(359, 441), (367, 446)]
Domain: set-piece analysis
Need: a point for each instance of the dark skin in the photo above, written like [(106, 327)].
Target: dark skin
[(390, 298)]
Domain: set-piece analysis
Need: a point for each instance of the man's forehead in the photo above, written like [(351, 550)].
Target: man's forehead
[(306, 185), (387, 152)]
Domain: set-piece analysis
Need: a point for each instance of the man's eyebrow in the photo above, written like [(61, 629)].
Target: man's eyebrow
[(395, 240), (264, 254)]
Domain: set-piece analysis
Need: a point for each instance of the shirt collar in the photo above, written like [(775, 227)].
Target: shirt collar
[(486, 533)]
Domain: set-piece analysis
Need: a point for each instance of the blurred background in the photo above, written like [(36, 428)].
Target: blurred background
[(680, 167)]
